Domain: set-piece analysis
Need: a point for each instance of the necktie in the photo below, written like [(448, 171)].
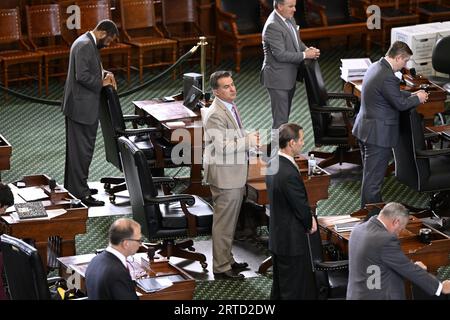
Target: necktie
[(294, 33), (236, 116)]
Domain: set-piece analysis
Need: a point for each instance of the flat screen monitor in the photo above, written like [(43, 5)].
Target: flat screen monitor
[(193, 96)]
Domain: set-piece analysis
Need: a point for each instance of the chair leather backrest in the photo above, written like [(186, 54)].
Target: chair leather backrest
[(10, 25), (408, 169), (140, 186), (418, 138), (137, 14), (336, 10), (186, 11), (317, 97), (248, 15), (91, 13), (43, 21), (24, 270), (317, 93), (111, 119), (440, 58), (316, 251)]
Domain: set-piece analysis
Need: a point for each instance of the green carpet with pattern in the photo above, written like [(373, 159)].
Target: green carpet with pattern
[(36, 132)]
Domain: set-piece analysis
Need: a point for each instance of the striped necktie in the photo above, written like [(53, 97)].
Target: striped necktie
[(236, 116), (294, 33)]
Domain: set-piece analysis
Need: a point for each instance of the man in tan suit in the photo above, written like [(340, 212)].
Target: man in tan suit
[(225, 170)]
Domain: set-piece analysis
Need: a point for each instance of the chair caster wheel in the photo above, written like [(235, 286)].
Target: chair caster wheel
[(204, 265), (112, 199)]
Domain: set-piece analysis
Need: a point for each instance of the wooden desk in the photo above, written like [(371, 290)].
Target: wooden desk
[(433, 255), (168, 116), (5, 155), (316, 188), (73, 269), (435, 104), (438, 129), (65, 226)]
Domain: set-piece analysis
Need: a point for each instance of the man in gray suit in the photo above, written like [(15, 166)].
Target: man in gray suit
[(377, 264), (283, 54), (81, 103), (377, 123), (225, 170)]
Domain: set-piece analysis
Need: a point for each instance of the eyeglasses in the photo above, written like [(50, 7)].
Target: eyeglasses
[(137, 240)]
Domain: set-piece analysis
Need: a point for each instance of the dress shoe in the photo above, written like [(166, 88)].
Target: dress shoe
[(93, 191), (92, 202), (229, 275), (239, 266)]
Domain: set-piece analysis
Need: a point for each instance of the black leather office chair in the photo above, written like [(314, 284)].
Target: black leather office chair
[(440, 58), (331, 125), (422, 169), (331, 276), (24, 271), (113, 124), (163, 217)]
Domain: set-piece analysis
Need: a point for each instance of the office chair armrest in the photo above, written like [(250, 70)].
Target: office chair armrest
[(331, 109), (184, 198), (331, 265), (425, 154), (53, 280), (341, 95), (132, 117), (165, 181)]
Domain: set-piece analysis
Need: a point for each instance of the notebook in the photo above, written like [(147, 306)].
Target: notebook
[(30, 210)]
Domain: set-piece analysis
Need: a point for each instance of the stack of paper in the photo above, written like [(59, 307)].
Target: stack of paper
[(354, 69), (345, 227)]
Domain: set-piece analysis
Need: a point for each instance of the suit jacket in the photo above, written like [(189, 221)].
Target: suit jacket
[(372, 245), (290, 214), (81, 101), (226, 146), (108, 279), (282, 55), (381, 102)]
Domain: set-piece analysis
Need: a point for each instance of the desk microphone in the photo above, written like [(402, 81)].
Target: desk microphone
[(413, 72)]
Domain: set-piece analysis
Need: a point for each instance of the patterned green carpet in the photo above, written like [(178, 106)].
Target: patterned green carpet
[(36, 133)]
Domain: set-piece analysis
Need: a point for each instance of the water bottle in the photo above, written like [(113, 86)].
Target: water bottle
[(311, 164)]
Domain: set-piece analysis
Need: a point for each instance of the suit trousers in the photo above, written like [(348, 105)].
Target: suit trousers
[(80, 144), (293, 278), (227, 205), (375, 161), (280, 102)]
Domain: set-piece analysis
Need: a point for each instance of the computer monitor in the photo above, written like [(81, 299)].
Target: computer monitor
[(193, 96)]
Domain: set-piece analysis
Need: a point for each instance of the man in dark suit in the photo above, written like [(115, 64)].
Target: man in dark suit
[(81, 104), (283, 53), (377, 264), (377, 123), (107, 275), (290, 221)]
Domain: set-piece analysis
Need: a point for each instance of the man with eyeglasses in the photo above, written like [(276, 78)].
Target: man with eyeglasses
[(107, 275)]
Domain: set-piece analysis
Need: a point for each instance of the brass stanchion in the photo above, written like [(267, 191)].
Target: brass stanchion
[(203, 45)]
